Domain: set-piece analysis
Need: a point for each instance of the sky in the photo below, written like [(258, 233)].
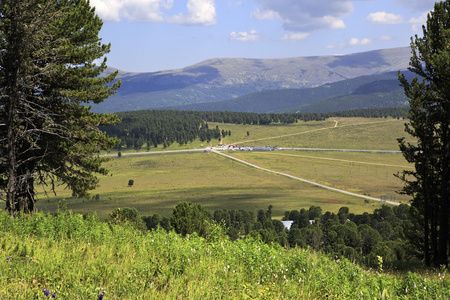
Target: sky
[(155, 35)]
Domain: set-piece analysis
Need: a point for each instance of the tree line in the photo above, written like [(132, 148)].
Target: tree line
[(247, 118), (387, 232), (151, 128)]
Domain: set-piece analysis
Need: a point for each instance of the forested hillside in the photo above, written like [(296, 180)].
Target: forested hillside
[(377, 94), (153, 128)]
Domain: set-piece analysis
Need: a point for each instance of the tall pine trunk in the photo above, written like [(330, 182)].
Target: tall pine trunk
[(444, 211), (12, 81)]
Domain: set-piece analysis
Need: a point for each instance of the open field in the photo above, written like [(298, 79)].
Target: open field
[(161, 181), (368, 174), (350, 133)]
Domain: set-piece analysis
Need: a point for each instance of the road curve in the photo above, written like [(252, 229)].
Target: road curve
[(304, 180)]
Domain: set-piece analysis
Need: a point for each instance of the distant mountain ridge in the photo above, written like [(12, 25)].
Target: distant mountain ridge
[(371, 91), (220, 79)]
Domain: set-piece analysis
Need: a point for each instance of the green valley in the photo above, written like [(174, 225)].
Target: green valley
[(161, 181)]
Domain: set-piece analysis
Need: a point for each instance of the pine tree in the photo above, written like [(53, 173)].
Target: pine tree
[(47, 76), (429, 116)]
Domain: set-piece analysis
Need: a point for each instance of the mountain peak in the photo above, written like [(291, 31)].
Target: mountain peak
[(219, 79)]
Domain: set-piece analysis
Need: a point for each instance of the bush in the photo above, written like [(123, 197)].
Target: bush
[(127, 215), (188, 218)]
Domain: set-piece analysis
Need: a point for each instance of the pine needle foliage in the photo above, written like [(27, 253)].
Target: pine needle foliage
[(429, 116), (48, 77)]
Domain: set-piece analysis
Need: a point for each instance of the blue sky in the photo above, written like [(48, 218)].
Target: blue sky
[(154, 35)]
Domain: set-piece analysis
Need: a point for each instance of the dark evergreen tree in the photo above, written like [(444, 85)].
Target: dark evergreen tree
[(188, 218), (429, 115), (47, 73)]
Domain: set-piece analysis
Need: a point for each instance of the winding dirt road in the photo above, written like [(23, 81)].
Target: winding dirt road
[(303, 180)]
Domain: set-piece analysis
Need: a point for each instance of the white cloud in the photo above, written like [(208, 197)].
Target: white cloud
[(383, 17), (107, 10), (244, 36), (306, 15), (365, 41), (416, 23), (295, 36), (199, 12), (386, 38), (131, 10), (333, 23), (260, 14)]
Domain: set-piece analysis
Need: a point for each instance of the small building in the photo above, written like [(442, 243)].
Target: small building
[(287, 224)]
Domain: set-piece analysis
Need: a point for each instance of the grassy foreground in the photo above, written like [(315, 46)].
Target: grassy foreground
[(76, 258)]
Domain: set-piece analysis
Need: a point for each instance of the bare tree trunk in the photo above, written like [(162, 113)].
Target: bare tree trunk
[(426, 245), (12, 78), (11, 184), (444, 210)]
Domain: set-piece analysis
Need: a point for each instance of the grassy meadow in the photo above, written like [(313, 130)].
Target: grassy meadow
[(161, 181), (368, 174), (68, 257), (349, 133)]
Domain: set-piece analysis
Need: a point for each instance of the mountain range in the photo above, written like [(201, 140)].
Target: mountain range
[(371, 91), (306, 84)]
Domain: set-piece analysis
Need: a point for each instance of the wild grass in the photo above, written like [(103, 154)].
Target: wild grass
[(75, 258)]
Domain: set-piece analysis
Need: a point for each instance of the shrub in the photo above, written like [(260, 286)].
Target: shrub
[(188, 218), (127, 215)]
